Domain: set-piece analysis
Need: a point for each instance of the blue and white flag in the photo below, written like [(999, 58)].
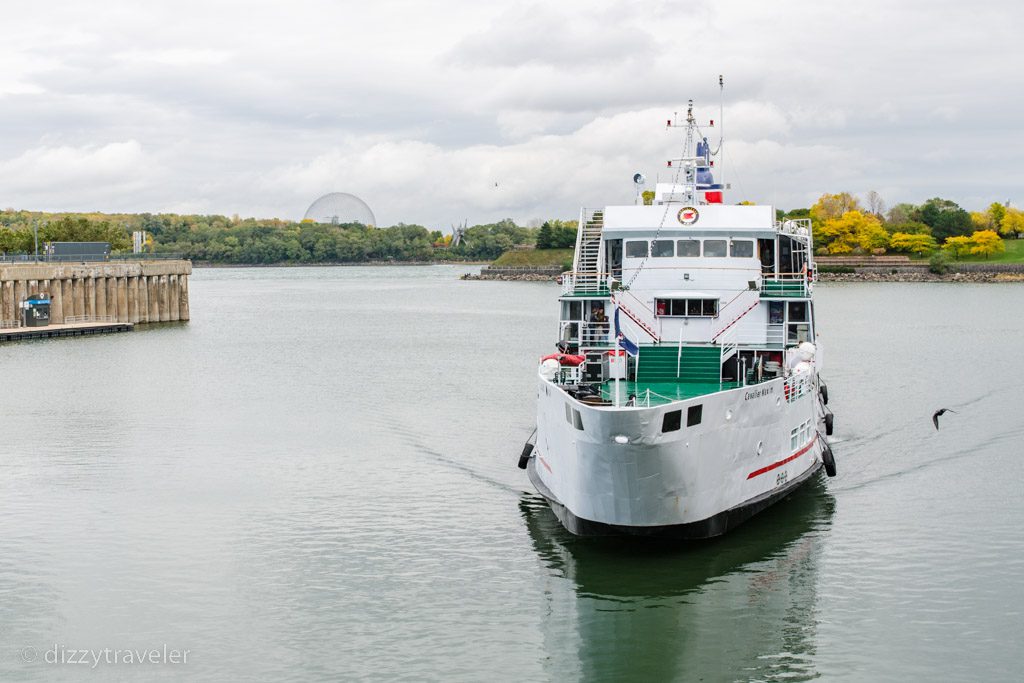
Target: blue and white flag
[(624, 343)]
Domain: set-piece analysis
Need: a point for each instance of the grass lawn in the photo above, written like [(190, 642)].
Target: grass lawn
[(535, 257), (1014, 254)]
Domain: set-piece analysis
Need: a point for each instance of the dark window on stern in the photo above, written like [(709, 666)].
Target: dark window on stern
[(672, 421), (577, 421), (693, 415)]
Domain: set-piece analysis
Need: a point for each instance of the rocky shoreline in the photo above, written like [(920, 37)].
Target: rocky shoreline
[(511, 277), (923, 276)]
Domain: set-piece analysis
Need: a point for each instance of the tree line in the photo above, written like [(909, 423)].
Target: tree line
[(219, 239), (844, 225)]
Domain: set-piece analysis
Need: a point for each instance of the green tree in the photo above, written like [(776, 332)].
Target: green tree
[(944, 217), (545, 236), (901, 213)]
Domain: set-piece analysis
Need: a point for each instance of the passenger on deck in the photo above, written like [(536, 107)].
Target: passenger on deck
[(598, 325)]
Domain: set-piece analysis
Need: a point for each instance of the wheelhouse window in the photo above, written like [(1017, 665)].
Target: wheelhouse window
[(688, 248), (741, 249), (662, 248), (714, 248), (686, 308), (636, 249)]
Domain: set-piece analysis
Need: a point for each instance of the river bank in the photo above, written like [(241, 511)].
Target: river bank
[(923, 276), (211, 264)]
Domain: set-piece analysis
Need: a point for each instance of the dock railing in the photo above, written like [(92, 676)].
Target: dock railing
[(71, 319)]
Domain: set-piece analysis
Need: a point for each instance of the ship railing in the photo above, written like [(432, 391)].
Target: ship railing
[(569, 374), (794, 226), (587, 334), (578, 283), (785, 285), (640, 313), (771, 339)]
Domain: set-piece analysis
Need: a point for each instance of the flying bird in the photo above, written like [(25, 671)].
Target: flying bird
[(940, 411)]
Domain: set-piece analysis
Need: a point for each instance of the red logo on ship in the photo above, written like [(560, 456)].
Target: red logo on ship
[(688, 215)]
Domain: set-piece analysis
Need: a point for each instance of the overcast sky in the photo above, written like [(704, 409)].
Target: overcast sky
[(435, 112)]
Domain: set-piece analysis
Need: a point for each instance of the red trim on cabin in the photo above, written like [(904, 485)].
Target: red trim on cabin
[(780, 463)]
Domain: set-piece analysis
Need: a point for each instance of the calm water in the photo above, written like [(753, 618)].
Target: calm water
[(315, 479)]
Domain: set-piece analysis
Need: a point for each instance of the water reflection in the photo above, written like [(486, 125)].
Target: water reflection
[(737, 608)]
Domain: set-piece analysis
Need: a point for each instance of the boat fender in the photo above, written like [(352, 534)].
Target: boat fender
[(829, 460), (823, 390), (828, 423), (524, 457)]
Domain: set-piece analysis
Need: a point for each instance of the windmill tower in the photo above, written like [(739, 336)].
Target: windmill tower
[(459, 234)]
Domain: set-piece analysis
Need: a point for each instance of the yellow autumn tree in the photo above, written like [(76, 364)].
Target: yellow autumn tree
[(986, 243), (833, 206), (981, 220), (956, 245), (914, 243), (853, 230), (1012, 223)]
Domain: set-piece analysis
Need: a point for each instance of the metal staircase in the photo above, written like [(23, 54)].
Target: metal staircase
[(638, 312), (588, 275)]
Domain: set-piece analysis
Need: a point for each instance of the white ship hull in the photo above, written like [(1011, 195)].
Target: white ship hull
[(622, 474)]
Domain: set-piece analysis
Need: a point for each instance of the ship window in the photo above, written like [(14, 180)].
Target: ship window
[(714, 248), (577, 421), (797, 311), (794, 438), (694, 414), (661, 248), (568, 413), (688, 248), (741, 249), (672, 421), (686, 308), (573, 310), (636, 249)]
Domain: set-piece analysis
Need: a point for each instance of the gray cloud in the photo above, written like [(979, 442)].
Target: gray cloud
[(420, 108)]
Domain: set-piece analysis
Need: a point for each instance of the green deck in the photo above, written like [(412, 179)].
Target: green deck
[(663, 363), (662, 392)]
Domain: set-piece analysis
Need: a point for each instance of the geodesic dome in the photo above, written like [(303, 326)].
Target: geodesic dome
[(340, 207)]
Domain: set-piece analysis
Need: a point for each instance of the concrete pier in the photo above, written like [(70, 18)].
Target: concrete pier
[(123, 291)]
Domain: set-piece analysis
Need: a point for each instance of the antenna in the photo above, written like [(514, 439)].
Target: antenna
[(721, 127)]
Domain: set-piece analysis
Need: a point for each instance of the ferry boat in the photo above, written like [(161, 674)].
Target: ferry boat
[(685, 395)]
